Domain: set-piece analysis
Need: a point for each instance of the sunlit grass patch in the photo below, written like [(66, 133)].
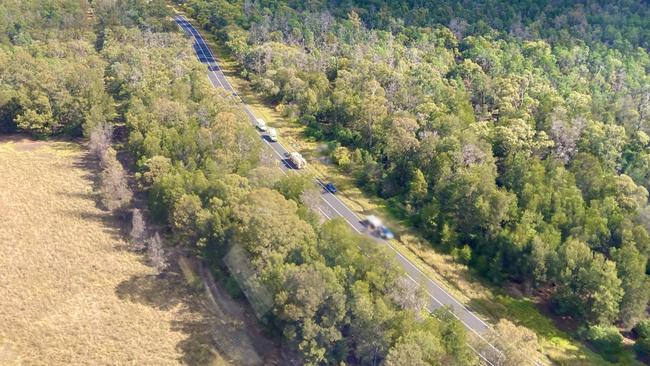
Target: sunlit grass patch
[(70, 292)]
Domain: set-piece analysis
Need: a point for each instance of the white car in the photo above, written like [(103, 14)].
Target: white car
[(260, 124), (273, 134)]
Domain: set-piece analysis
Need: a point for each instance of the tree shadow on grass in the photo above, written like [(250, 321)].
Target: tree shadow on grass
[(111, 225), (213, 332), (163, 292), (89, 164), (167, 292)]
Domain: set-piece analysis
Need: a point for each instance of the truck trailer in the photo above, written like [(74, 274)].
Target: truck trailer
[(298, 161), (273, 134)]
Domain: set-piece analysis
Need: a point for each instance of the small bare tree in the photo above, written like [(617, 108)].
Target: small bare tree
[(157, 253), (458, 27), (565, 134), (100, 140), (138, 230), (115, 190), (408, 294)]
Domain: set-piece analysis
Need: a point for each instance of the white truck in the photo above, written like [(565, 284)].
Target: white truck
[(273, 134), (297, 160), (260, 124)]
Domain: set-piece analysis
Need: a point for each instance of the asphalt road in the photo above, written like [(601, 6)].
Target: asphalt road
[(333, 207)]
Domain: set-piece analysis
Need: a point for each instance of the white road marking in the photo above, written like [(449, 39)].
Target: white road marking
[(324, 214)]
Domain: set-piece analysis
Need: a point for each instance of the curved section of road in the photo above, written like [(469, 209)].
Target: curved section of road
[(333, 207)]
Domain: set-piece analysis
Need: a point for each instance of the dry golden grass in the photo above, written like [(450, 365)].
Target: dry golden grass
[(70, 292)]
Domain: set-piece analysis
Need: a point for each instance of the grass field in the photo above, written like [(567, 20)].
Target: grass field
[(71, 292), (491, 303)]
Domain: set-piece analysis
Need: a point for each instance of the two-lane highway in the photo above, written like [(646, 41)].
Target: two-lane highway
[(334, 207)]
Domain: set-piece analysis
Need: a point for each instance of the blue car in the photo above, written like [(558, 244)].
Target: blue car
[(385, 233), (330, 188)]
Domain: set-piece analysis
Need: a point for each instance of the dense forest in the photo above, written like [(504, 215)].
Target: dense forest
[(69, 68), (512, 134)]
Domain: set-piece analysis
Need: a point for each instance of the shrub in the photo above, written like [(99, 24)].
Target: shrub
[(462, 255), (606, 340), (293, 185), (341, 155), (232, 288), (642, 346), (642, 329)]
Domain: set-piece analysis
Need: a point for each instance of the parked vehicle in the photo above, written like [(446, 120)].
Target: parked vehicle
[(260, 124), (297, 160), (330, 187), (273, 134)]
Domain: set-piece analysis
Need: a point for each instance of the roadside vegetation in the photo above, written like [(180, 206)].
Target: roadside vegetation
[(81, 285), (513, 140), (195, 154), (123, 76)]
